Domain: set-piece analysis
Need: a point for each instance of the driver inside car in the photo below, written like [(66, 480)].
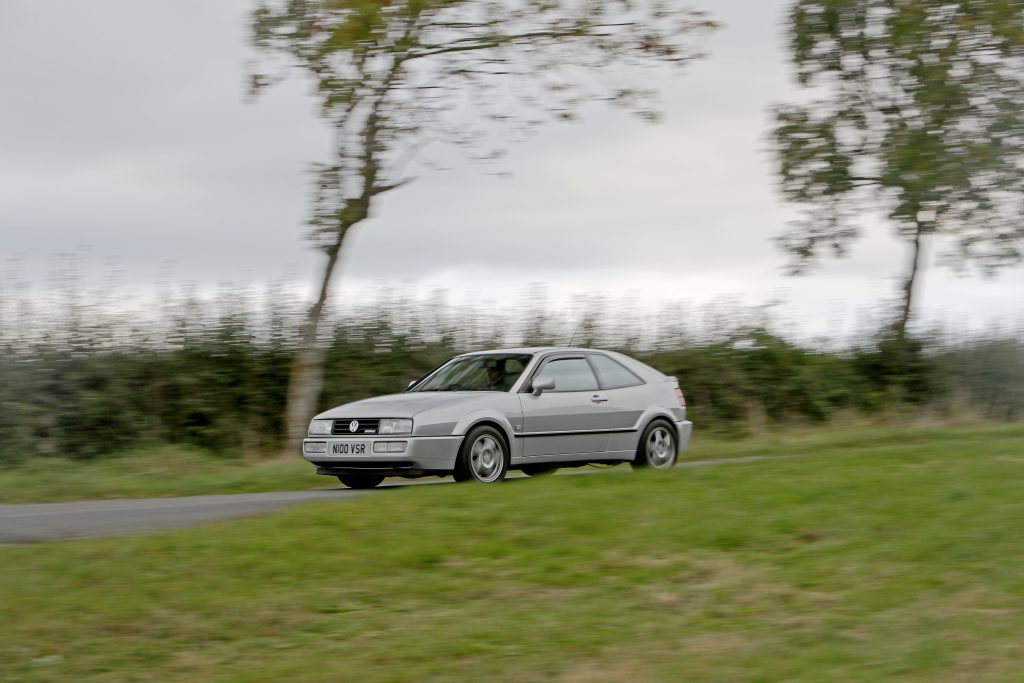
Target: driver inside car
[(498, 378)]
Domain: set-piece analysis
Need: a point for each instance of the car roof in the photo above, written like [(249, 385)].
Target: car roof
[(530, 350), (652, 374)]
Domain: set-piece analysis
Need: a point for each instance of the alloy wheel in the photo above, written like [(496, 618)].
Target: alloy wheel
[(486, 459), (660, 448)]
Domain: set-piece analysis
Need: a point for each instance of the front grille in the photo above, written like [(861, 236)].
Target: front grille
[(363, 426)]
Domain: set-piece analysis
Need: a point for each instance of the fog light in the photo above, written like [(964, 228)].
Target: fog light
[(315, 447), (389, 446)]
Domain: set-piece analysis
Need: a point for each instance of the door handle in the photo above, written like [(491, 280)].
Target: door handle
[(598, 398)]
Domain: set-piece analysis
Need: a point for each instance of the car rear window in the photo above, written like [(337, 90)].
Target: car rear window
[(613, 374)]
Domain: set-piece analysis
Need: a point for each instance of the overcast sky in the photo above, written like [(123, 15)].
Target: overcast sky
[(125, 134)]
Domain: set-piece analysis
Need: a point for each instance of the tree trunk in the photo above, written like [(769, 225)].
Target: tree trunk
[(307, 376), (908, 284), (307, 373)]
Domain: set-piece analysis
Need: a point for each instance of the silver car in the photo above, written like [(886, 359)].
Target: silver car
[(482, 414)]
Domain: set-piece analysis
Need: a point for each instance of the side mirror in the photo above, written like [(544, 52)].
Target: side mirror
[(543, 384), (411, 384)]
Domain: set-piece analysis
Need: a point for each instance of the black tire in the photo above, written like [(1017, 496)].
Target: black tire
[(360, 481), (539, 470), (658, 448), (483, 457)]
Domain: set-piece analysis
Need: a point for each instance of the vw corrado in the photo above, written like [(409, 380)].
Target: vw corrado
[(481, 414)]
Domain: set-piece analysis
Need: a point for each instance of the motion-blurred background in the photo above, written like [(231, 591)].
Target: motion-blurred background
[(157, 274)]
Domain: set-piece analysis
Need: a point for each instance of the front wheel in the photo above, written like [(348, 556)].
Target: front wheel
[(484, 457), (657, 450), (360, 481)]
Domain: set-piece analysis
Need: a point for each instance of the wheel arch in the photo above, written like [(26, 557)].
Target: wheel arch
[(490, 422), (485, 415), (464, 469), (646, 422)]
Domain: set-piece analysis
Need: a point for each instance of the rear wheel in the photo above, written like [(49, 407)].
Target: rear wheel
[(360, 481), (483, 457), (658, 449), (539, 470)]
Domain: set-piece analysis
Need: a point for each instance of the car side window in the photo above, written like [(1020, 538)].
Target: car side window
[(570, 374), (613, 374)]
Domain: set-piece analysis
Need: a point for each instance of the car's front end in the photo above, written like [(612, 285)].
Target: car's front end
[(379, 446), (419, 432)]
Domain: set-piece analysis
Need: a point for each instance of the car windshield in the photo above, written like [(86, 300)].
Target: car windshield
[(484, 372)]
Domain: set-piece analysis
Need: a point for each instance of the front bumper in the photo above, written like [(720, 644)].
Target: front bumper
[(422, 456)]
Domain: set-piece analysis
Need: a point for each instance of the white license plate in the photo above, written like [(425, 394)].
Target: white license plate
[(350, 448)]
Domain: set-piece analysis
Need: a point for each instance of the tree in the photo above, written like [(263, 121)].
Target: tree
[(393, 76), (919, 113)]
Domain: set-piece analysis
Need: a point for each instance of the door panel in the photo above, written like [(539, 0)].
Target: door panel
[(566, 421), (625, 406), (560, 413)]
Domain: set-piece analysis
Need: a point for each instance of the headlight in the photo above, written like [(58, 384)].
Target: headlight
[(320, 427), (389, 426)]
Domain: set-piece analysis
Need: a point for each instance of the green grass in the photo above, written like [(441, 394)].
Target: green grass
[(859, 438), (168, 471), (177, 471), (902, 563)]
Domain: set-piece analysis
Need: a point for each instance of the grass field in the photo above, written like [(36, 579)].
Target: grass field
[(168, 471), (175, 471), (892, 560)]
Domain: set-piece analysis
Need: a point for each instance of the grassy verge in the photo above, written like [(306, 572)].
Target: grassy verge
[(902, 564), (169, 471), (857, 438), (175, 471)]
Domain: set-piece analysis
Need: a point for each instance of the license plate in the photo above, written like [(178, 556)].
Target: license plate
[(350, 448)]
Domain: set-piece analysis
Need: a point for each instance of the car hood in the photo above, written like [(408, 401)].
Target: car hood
[(403, 405)]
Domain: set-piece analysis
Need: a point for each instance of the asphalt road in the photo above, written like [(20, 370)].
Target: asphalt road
[(58, 521)]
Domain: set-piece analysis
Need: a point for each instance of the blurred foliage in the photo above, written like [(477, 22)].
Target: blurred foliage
[(81, 381), (917, 113), (758, 376)]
